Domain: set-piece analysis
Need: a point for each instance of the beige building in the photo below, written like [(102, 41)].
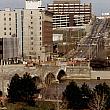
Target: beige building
[(8, 35), (8, 27), (32, 27), (37, 34)]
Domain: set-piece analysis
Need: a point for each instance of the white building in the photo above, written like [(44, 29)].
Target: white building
[(33, 4)]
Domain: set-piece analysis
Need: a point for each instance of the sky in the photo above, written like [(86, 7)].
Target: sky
[(98, 6)]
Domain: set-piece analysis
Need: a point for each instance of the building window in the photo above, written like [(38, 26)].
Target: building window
[(40, 28), (31, 43), (40, 38), (31, 17), (4, 33), (9, 19), (38, 57), (40, 43), (31, 33), (31, 22), (31, 48), (5, 28), (40, 33), (40, 17), (40, 48), (4, 14), (4, 19), (31, 12), (9, 28), (31, 27), (9, 14), (31, 38), (40, 22), (10, 33)]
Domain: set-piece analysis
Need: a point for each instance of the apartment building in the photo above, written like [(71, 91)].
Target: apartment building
[(37, 31), (8, 34), (37, 34), (31, 26), (68, 13), (8, 23)]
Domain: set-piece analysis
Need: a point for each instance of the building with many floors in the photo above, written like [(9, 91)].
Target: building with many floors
[(37, 34), (33, 28), (68, 13)]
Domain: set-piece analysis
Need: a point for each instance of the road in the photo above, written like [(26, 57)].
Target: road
[(93, 45)]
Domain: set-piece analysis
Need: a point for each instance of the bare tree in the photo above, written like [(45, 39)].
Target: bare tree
[(98, 102)]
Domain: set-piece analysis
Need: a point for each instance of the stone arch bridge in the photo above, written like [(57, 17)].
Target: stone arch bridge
[(47, 74)]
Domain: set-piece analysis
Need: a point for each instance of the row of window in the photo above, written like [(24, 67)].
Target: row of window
[(33, 39), (6, 19), (6, 28), (6, 33), (33, 48), (6, 14)]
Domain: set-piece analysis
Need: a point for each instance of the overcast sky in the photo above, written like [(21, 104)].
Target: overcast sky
[(98, 6)]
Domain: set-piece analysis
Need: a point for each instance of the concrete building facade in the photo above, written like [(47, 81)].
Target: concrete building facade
[(68, 13), (32, 27), (8, 23), (8, 34), (37, 34), (19, 25), (33, 4)]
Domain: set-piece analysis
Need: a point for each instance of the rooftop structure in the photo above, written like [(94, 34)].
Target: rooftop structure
[(33, 4), (66, 1)]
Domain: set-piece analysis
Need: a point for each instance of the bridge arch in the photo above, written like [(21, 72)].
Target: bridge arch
[(61, 73), (49, 78)]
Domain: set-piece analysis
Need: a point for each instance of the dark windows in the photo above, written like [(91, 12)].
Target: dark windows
[(4, 33), (31, 33), (9, 19), (4, 19), (31, 38)]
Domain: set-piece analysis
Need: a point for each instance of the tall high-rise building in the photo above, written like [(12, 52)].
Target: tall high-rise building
[(37, 34), (33, 4), (68, 13)]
